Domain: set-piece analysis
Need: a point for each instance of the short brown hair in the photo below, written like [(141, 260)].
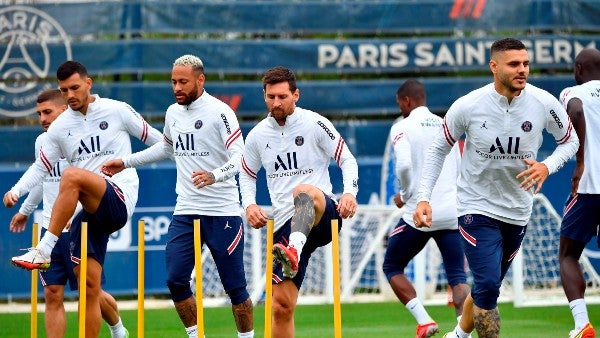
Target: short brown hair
[(279, 74)]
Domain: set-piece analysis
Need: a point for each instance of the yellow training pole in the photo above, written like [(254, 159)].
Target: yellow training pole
[(141, 264), (198, 266), (34, 285), (83, 279), (335, 253), (269, 278)]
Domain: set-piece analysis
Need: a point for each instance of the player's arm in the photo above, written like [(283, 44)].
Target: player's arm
[(576, 114), (453, 127), (403, 166), (19, 220), (250, 165), (137, 127), (231, 135), (337, 148), (158, 151), (560, 126), (48, 156)]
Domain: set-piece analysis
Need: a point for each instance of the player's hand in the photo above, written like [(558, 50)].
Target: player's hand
[(202, 178), (10, 199), (112, 167), (422, 215), (256, 216), (398, 200), (577, 173), (347, 206), (535, 174), (17, 223)]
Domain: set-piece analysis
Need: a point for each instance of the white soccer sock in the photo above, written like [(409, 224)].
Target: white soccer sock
[(579, 311), (117, 330), (460, 333), (192, 331), (47, 242), (418, 311), (249, 334), (297, 240)]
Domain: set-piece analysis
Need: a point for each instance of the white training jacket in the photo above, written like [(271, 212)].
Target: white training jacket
[(46, 192), (411, 137), (499, 137), (204, 135), (87, 141), (589, 94), (298, 152)]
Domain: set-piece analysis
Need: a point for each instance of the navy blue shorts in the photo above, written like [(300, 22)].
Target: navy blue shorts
[(581, 217), (224, 237), (110, 217), (405, 242), (61, 268), (320, 235), (490, 246)]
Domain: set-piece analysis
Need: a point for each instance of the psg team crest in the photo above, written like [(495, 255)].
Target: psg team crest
[(526, 126), (103, 125), (299, 140), (198, 124)]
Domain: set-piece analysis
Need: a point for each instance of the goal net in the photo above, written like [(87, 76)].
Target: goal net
[(534, 278)]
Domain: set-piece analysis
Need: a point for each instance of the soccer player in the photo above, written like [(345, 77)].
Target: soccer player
[(503, 123), (50, 104), (580, 220), (295, 147), (90, 131), (410, 138), (203, 135)]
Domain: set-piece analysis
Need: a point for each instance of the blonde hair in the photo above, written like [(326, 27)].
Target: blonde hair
[(190, 61)]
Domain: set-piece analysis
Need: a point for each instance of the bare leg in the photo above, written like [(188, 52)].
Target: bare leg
[(571, 275), (285, 296), (109, 308), (487, 322), (466, 321), (403, 289), (93, 319), (459, 295), (186, 309), (54, 317), (243, 315), (318, 201), (75, 185)]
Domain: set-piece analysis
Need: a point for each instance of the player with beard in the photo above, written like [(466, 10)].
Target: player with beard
[(203, 135)]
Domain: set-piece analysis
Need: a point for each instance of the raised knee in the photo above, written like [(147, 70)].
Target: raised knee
[(302, 189), (70, 176), (303, 199)]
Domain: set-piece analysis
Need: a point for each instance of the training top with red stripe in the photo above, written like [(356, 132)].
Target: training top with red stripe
[(499, 137), (204, 135), (47, 191), (87, 141), (411, 137), (589, 94), (298, 152)]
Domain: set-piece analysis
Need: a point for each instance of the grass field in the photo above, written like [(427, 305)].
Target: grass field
[(371, 320)]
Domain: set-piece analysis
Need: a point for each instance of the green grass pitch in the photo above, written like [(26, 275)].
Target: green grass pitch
[(372, 320)]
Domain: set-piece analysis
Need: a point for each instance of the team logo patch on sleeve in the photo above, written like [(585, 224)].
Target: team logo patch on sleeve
[(299, 140), (526, 126)]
